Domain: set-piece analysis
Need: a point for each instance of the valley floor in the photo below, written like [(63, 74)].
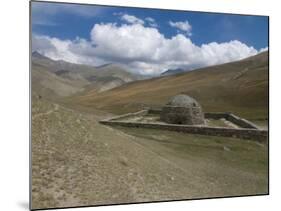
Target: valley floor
[(78, 162)]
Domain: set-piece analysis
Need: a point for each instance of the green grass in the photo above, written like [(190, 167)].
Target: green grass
[(226, 154)]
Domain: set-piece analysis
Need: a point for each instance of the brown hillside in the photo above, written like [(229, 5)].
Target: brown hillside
[(240, 87)]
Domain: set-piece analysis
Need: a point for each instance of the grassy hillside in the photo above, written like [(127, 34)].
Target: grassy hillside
[(77, 162), (240, 87), (51, 86)]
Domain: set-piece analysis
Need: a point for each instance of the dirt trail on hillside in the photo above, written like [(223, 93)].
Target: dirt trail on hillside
[(93, 164)]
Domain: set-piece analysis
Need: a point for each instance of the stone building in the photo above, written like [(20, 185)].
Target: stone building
[(182, 109)]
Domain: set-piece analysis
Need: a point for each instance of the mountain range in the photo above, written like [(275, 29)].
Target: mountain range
[(172, 71), (240, 87), (60, 78)]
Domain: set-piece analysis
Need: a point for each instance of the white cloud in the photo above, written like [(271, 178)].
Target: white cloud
[(141, 49), (76, 51), (131, 19), (263, 49), (126, 42), (182, 26), (151, 22), (150, 19)]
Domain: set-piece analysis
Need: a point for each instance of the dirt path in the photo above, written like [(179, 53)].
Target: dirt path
[(56, 107)]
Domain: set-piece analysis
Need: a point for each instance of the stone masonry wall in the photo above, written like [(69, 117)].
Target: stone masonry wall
[(248, 130), (232, 118), (241, 122), (124, 116), (251, 134)]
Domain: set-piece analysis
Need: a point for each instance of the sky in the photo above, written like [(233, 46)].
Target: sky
[(144, 41)]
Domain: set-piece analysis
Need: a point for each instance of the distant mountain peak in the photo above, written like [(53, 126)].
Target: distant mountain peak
[(104, 65), (172, 71), (38, 55)]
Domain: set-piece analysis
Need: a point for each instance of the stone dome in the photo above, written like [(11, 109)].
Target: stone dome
[(182, 101), (182, 109)]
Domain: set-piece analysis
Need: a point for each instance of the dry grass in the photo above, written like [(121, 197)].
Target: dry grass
[(238, 87), (76, 161)]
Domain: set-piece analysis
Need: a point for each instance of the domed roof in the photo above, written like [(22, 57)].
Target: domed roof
[(182, 101)]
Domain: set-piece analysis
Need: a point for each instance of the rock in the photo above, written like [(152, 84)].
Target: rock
[(225, 148)]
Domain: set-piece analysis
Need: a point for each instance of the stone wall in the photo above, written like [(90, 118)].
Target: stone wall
[(241, 122), (251, 134), (217, 115), (124, 116), (154, 111), (248, 130), (232, 118)]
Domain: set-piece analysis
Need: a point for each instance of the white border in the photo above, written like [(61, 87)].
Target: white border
[(14, 92)]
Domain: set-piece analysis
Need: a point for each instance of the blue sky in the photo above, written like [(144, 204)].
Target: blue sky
[(73, 26)]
